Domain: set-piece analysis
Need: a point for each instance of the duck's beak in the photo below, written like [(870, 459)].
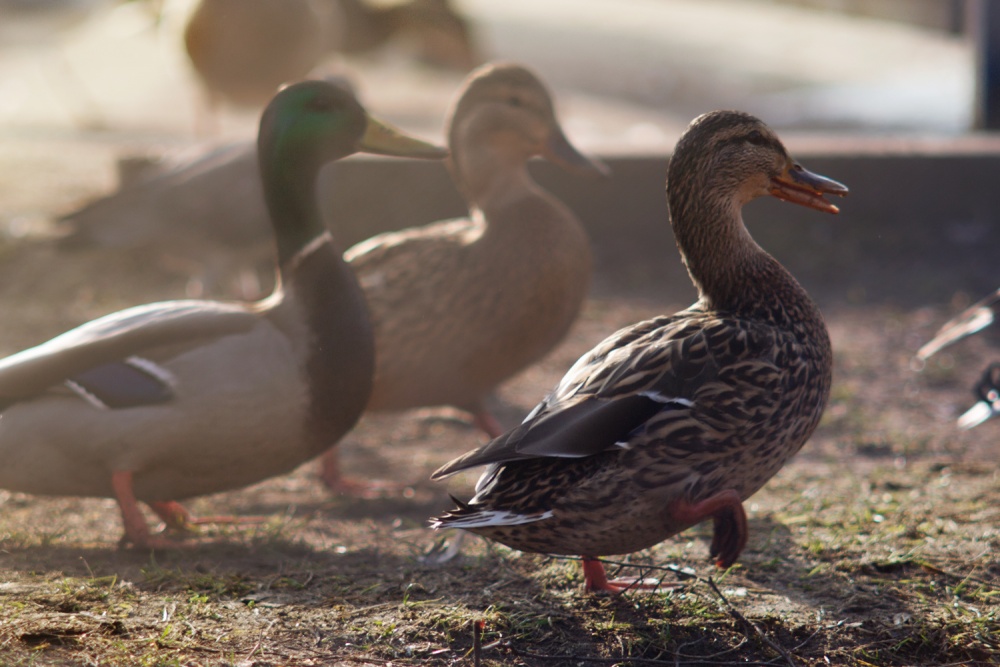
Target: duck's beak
[(383, 139), (798, 185), (558, 150)]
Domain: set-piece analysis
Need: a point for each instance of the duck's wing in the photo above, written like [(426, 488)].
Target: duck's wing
[(612, 393), (105, 355), (974, 318)]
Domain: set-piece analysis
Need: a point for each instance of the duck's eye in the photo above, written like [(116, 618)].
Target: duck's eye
[(515, 101), (756, 138)]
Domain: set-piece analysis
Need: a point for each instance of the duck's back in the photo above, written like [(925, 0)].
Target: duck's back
[(460, 306)]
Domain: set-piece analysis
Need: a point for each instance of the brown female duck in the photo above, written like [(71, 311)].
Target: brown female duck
[(462, 305), (438, 34), (678, 419), (242, 50)]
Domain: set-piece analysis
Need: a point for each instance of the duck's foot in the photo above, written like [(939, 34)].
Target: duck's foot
[(177, 518), (332, 477), (729, 519), (595, 579), (136, 530)]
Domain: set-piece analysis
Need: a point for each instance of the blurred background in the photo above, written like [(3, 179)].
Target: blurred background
[(96, 95), (627, 72)]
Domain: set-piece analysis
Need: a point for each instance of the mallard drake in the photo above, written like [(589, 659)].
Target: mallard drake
[(242, 50), (677, 419), (971, 320), (182, 398), (460, 306)]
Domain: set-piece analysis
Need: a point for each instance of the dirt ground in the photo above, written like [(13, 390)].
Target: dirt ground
[(877, 545)]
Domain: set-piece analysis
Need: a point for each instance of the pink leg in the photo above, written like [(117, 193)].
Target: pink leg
[(136, 530), (729, 519)]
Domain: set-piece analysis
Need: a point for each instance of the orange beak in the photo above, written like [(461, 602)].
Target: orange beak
[(800, 186)]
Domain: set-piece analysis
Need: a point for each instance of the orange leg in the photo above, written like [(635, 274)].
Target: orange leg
[(176, 517), (595, 579), (729, 519), (136, 529), (334, 479)]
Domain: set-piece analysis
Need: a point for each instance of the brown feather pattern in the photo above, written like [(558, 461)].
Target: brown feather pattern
[(734, 385)]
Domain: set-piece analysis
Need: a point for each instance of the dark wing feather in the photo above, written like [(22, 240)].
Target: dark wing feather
[(591, 426), (606, 396), (124, 384)]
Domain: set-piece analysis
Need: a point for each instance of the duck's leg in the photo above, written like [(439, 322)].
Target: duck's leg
[(729, 519), (333, 478), (136, 529), (595, 579)]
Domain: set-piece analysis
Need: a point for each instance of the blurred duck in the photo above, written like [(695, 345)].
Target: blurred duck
[(681, 418), (973, 319), (178, 399), (462, 305), (242, 50), (437, 34)]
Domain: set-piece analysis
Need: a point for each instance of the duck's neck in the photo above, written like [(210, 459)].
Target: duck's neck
[(492, 181), (732, 273), (290, 195), (340, 358)]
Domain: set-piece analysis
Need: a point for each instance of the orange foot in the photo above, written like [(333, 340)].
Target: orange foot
[(177, 518), (595, 579), (136, 530)]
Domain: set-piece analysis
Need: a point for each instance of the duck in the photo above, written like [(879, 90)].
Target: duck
[(680, 418), (460, 306), (975, 318), (241, 51), (439, 35), (166, 401)]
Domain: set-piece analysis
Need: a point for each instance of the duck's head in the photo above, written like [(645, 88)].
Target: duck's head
[(504, 109), (315, 122), (733, 155), (305, 126)]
